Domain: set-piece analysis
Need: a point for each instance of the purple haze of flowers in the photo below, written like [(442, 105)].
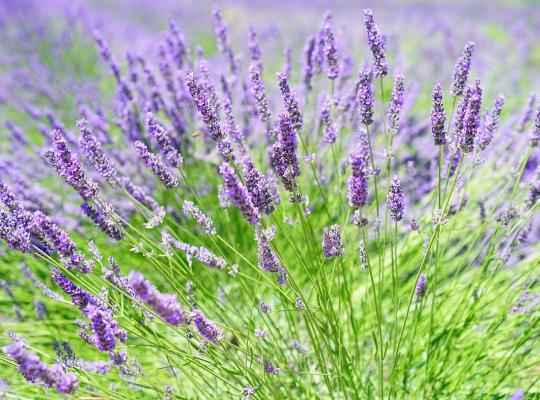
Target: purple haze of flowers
[(491, 123), (34, 370), (517, 395), (396, 104), (365, 97), (206, 328), (62, 243), (329, 130), (165, 305), (158, 133), (290, 101), (209, 115), (239, 194), (284, 153), (535, 134), (461, 70), (257, 186), (91, 147), (67, 165), (154, 163), (376, 45), (467, 134), (438, 117), (358, 181), (332, 68), (396, 200), (331, 242), (258, 91)]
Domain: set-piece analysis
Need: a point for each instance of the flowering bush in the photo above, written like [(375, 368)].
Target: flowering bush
[(217, 227)]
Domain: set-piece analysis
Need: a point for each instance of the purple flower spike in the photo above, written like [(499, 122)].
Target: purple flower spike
[(471, 120), (268, 260), (91, 147), (307, 73), (257, 186), (396, 200), (290, 101), (332, 68), (490, 124), (421, 285), (253, 44), (329, 130), (331, 242), (376, 44), (103, 221), (102, 327), (206, 328), (461, 70), (535, 135), (239, 194), (158, 133), (365, 97), (67, 165), (358, 181), (190, 209), (164, 305), (438, 117), (154, 163), (284, 153), (258, 90), (396, 104)]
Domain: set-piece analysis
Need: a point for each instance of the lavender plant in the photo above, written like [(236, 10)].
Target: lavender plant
[(236, 224)]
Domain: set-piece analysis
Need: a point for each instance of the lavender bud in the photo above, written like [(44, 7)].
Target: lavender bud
[(204, 221), (239, 194), (461, 70), (257, 186), (358, 181), (258, 91), (329, 130), (289, 99), (421, 286), (491, 122), (206, 328), (103, 221), (467, 134), (307, 73), (365, 97), (396, 104), (395, 201), (331, 242), (91, 147), (535, 135), (438, 117), (284, 153), (158, 133), (330, 49), (376, 44), (154, 163)]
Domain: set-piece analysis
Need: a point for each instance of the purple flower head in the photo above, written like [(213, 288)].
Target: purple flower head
[(490, 123), (421, 285), (158, 133), (358, 181), (67, 165), (396, 200), (257, 186), (164, 305), (332, 68), (365, 97), (91, 147), (396, 104), (438, 117), (461, 70), (329, 130), (157, 166), (287, 63), (103, 221), (206, 328), (190, 209), (78, 296), (267, 259), (517, 395), (331, 243), (535, 134), (16, 236), (102, 327), (376, 44), (284, 153), (258, 91), (290, 101), (471, 120), (307, 72), (239, 194)]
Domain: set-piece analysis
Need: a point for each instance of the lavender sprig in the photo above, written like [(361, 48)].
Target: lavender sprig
[(376, 44), (154, 163)]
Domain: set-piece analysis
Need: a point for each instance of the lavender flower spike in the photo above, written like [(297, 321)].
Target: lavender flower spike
[(156, 165), (332, 67), (471, 120), (535, 134), (329, 130), (307, 73), (331, 242), (290, 101), (258, 90), (257, 186), (396, 200), (267, 259), (365, 97), (206, 328), (491, 122), (284, 157), (67, 165), (158, 133), (376, 45), (189, 208), (421, 286), (438, 117), (91, 147), (239, 194), (461, 70), (358, 181), (396, 104)]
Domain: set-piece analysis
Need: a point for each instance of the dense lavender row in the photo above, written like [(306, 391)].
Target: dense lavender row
[(222, 225)]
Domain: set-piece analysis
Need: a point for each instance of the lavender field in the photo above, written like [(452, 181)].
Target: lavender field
[(260, 199)]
